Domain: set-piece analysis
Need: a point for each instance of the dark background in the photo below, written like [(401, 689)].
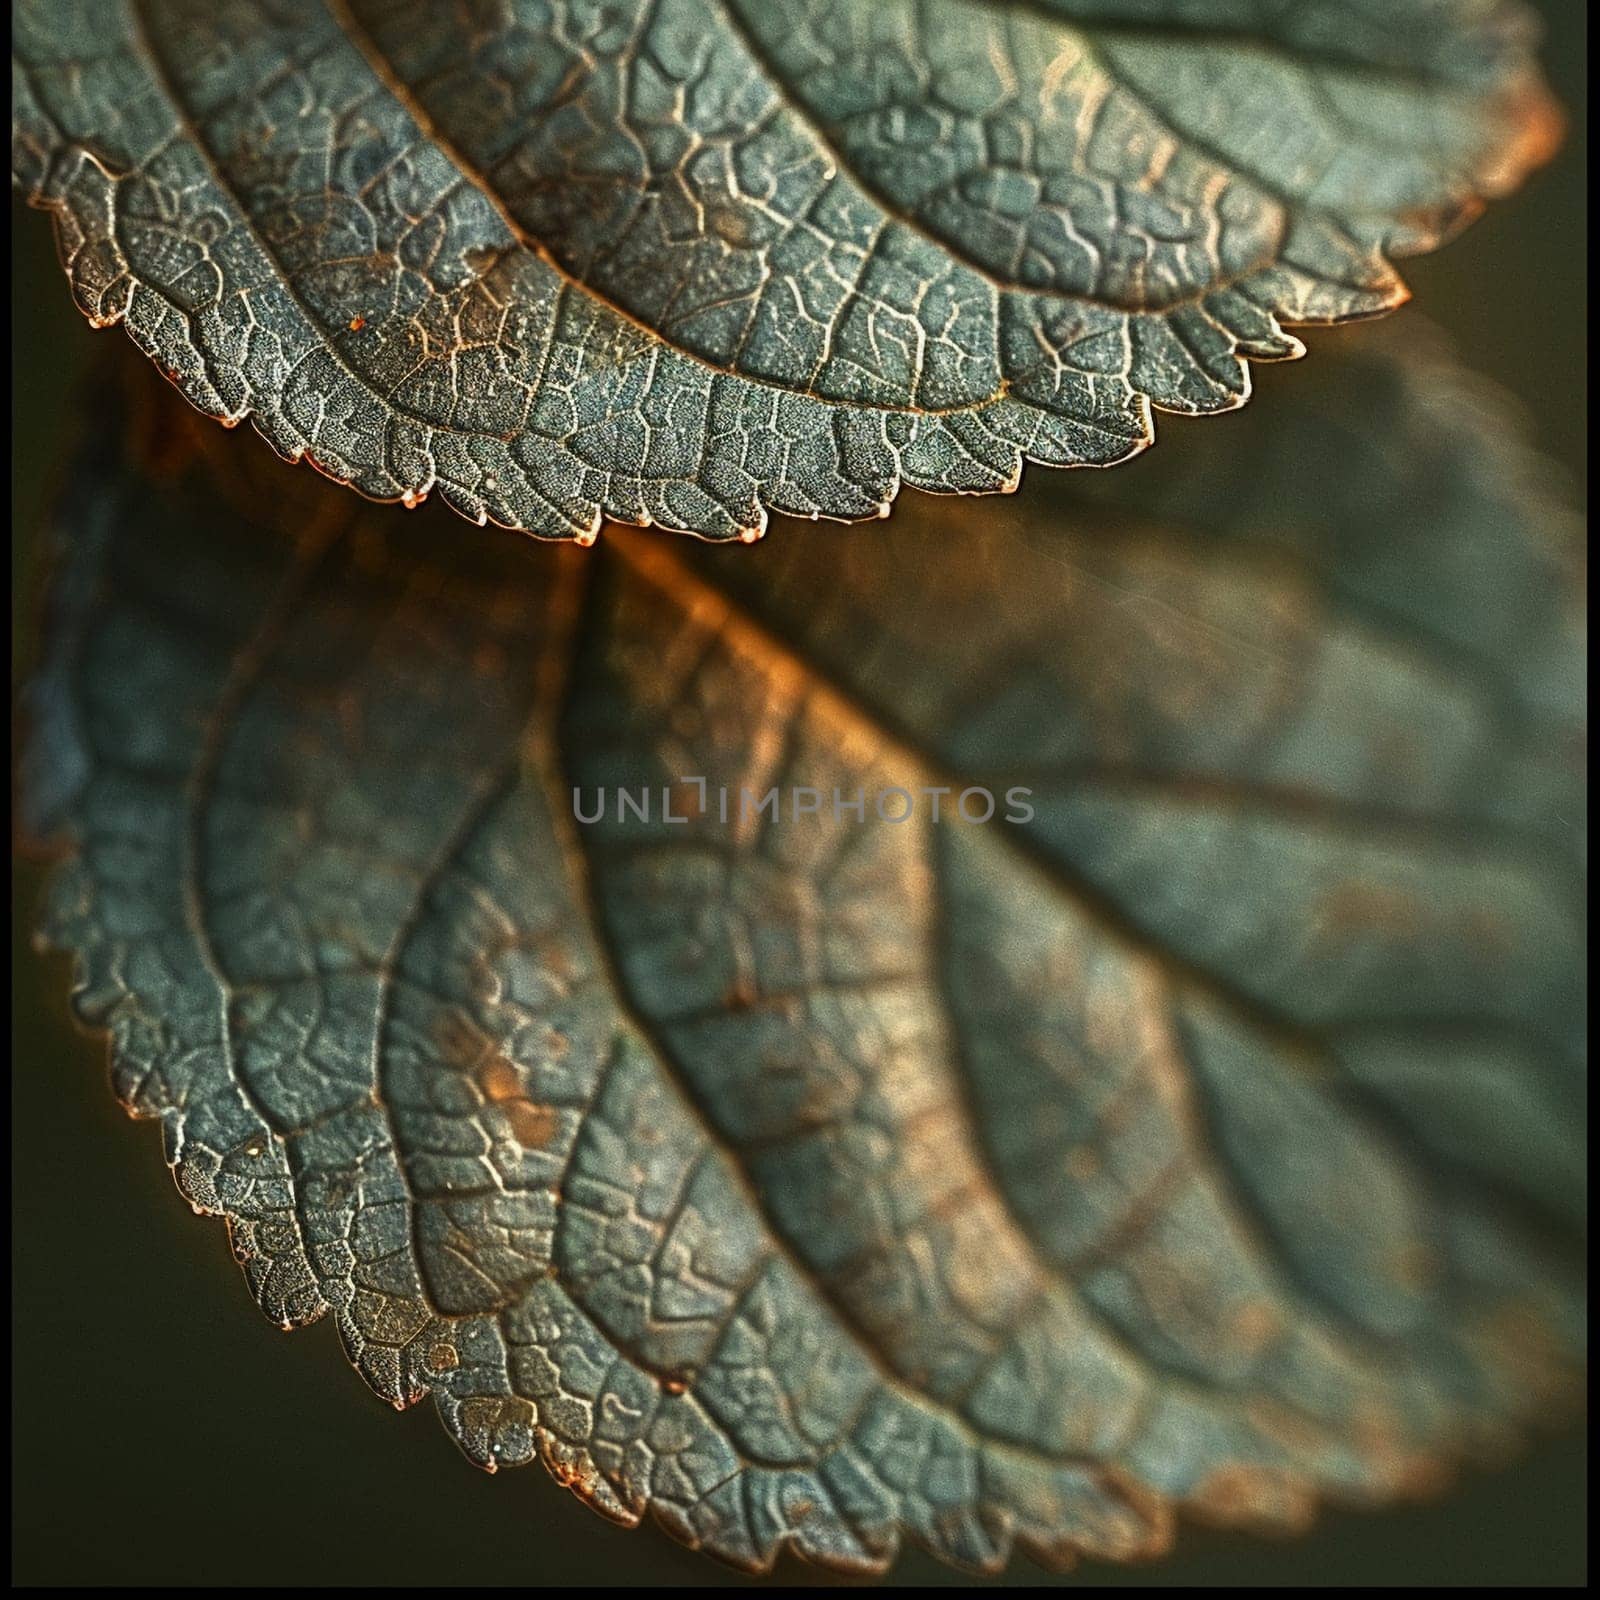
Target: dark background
[(165, 1433)]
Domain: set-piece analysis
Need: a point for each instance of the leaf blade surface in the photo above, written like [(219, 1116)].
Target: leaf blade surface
[(1210, 1140), (683, 265)]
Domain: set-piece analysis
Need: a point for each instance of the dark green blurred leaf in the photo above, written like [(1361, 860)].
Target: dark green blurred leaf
[(1213, 1141), (681, 263)]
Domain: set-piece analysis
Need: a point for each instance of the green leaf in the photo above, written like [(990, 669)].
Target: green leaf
[(680, 263), (1211, 1142)]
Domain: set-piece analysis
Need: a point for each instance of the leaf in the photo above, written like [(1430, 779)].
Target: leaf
[(1212, 1141), (680, 263)]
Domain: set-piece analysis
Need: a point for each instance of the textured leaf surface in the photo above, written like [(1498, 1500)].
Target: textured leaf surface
[(678, 262), (1212, 1142)]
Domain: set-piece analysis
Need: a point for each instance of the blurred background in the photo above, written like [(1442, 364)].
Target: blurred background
[(165, 1433)]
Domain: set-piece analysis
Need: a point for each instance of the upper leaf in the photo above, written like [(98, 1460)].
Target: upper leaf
[(682, 262), (1212, 1139)]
